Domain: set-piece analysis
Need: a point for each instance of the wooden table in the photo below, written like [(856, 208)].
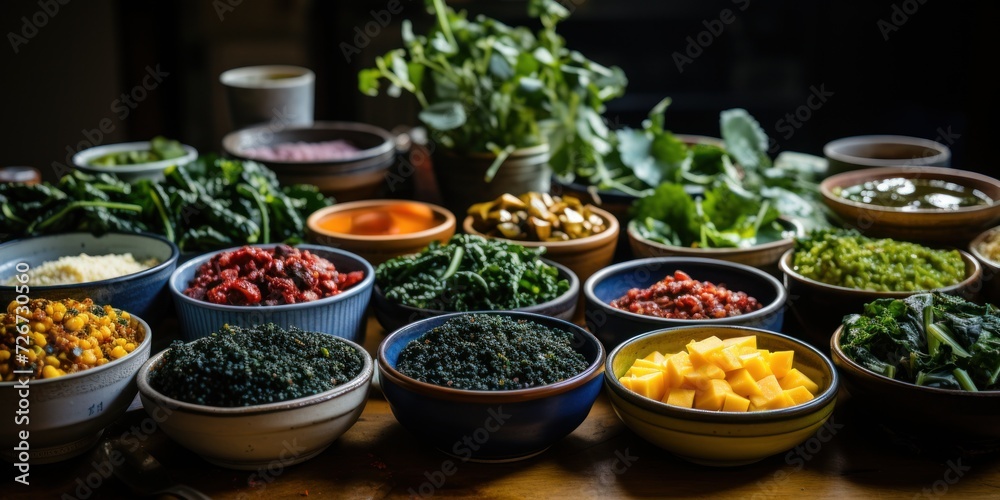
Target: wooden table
[(602, 459)]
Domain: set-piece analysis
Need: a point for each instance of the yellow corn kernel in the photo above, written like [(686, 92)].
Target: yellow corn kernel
[(88, 358), (120, 342), (75, 324), (39, 326), (5, 370), (93, 341), (39, 339), (4, 355), (101, 361), (129, 347), (52, 360), (118, 352), (31, 355), (50, 372), (49, 309), (84, 344)]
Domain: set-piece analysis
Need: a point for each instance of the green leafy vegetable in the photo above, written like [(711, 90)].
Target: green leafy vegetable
[(160, 148), (929, 339)]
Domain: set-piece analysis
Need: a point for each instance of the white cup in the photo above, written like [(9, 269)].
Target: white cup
[(277, 95)]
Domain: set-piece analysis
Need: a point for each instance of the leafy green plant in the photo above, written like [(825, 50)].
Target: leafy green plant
[(485, 86)]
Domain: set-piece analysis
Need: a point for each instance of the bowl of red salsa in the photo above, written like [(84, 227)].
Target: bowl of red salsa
[(312, 287), (638, 296)]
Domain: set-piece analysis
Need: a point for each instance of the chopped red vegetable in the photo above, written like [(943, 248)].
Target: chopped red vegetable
[(680, 297)]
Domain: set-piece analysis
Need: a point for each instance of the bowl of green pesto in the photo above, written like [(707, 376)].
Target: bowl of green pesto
[(832, 272), (133, 161)]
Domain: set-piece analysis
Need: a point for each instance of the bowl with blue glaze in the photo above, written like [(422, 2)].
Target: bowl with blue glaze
[(343, 314), (485, 425), (613, 326), (143, 294)]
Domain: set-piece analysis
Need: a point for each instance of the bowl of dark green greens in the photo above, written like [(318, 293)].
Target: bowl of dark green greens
[(132, 161), (491, 387), (472, 273), (925, 366)]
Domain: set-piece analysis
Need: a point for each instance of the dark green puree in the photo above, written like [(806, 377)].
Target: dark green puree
[(900, 192)]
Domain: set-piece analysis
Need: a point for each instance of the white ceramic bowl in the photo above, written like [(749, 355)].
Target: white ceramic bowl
[(130, 173), (68, 414), (250, 437)]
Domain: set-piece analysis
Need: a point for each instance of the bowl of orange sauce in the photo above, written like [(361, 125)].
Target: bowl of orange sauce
[(379, 230)]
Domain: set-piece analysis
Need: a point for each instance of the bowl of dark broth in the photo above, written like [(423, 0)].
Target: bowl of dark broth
[(922, 204)]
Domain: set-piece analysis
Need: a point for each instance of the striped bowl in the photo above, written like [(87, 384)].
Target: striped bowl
[(343, 315)]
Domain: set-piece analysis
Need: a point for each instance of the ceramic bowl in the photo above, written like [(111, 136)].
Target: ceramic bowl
[(991, 267), (143, 294), (930, 225), (393, 316), (584, 256), (822, 306), (927, 415), (380, 248), (130, 173), (517, 423), (868, 151), (257, 436), (68, 414), (343, 315), (720, 438), (358, 177), (764, 255), (614, 326)]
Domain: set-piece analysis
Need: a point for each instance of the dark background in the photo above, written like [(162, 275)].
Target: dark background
[(928, 79)]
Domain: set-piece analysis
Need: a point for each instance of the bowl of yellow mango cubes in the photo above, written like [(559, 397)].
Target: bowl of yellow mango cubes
[(721, 395)]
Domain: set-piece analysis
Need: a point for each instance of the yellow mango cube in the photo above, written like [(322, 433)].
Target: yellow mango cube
[(743, 383), (656, 357), (713, 396), (794, 378), (728, 358), (627, 382), (700, 377), (799, 394), (735, 402), (746, 341), (769, 389), (782, 400), (651, 385), (680, 397), (756, 365), (639, 371), (781, 362), (765, 354), (701, 351), (678, 366)]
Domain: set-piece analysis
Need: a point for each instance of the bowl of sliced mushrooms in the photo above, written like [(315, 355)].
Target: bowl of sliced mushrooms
[(579, 236)]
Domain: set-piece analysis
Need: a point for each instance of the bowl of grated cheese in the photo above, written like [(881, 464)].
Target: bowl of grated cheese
[(127, 271)]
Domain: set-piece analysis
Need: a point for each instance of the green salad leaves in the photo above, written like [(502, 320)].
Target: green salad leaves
[(928, 339)]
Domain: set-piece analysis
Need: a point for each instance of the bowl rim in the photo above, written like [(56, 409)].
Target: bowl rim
[(573, 291), (612, 231), (145, 345), (779, 302), (80, 159), (231, 140), (821, 400), (977, 242), (170, 261), (313, 220), (593, 369), (795, 224), (785, 264), (836, 180), (831, 150), (838, 355), (363, 286), (231, 76), (363, 377)]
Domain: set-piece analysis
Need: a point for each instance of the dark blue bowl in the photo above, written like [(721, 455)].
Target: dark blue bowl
[(143, 294), (613, 326), (490, 426)]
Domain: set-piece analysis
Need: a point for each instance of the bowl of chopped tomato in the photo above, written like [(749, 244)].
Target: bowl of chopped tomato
[(312, 287), (638, 296)]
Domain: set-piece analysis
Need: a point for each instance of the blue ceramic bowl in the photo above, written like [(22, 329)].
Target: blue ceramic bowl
[(500, 425), (342, 315), (142, 294), (393, 316), (613, 326)]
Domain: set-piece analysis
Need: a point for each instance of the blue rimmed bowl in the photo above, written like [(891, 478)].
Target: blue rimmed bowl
[(342, 315)]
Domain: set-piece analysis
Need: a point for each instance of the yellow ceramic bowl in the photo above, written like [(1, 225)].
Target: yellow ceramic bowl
[(380, 248), (719, 438)]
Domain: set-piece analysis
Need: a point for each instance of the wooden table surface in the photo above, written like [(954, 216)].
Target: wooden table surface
[(377, 458)]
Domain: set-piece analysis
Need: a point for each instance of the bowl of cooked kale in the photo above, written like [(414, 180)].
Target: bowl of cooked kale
[(472, 273), (219, 397), (491, 387)]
